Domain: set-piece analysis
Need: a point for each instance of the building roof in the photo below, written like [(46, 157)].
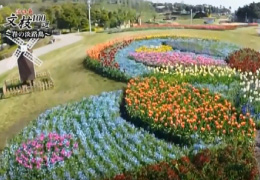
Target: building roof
[(160, 7)]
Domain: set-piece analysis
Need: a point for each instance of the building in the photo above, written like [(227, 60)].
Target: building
[(209, 20), (1, 6), (160, 9)]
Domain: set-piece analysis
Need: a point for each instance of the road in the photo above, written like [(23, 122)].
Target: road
[(61, 41)]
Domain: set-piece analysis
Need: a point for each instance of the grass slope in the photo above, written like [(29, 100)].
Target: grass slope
[(72, 81)]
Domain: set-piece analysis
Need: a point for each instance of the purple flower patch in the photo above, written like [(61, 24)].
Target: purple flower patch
[(45, 150)]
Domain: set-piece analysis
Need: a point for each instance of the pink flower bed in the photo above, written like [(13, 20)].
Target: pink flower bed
[(187, 26), (173, 58), (45, 150)]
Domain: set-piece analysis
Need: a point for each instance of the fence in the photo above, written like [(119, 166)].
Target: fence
[(14, 87)]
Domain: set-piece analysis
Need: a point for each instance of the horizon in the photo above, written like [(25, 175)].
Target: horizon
[(228, 3)]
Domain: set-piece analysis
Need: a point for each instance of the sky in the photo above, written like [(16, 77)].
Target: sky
[(233, 3)]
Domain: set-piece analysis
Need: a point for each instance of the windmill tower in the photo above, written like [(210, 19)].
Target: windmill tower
[(25, 59)]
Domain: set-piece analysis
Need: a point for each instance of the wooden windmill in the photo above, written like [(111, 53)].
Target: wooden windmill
[(25, 59)]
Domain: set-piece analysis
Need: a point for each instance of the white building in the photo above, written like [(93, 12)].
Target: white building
[(1, 6)]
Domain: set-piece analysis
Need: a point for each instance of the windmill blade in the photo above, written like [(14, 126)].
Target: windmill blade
[(31, 43), (17, 53), (17, 40), (32, 58)]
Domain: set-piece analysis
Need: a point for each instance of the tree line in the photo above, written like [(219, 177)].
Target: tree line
[(248, 12), (75, 16)]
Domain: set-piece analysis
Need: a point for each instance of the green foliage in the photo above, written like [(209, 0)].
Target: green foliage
[(5, 12), (200, 15), (251, 11), (67, 16), (112, 19), (1, 19), (7, 52), (75, 16)]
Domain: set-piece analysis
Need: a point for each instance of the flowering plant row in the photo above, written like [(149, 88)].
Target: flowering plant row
[(113, 56), (95, 52), (107, 144), (218, 164), (200, 46), (181, 109), (147, 49), (195, 26), (45, 150), (250, 93), (200, 74), (134, 69), (221, 27), (173, 58)]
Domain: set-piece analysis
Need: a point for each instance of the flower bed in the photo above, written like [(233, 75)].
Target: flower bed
[(112, 56), (104, 143), (200, 74), (183, 110), (107, 144), (170, 59), (134, 69), (220, 164), (45, 150), (195, 26), (245, 60), (200, 46), (175, 26)]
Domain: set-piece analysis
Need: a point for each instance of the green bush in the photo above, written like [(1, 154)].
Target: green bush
[(7, 52), (229, 163)]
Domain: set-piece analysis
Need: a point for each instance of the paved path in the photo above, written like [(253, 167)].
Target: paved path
[(63, 40)]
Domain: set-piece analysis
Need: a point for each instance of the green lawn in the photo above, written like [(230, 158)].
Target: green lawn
[(72, 81)]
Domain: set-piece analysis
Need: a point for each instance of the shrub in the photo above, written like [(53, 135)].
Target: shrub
[(245, 60), (225, 163)]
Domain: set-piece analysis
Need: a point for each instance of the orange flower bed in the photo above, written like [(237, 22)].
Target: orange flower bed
[(181, 109)]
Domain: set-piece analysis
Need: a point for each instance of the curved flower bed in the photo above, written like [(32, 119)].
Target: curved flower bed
[(170, 59), (181, 109), (107, 144), (114, 55)]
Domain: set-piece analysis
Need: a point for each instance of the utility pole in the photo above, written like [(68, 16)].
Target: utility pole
[(89, 18), (191, 16)]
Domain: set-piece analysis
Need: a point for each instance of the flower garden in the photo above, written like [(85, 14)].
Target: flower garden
[(212, 27), (190, 110)]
